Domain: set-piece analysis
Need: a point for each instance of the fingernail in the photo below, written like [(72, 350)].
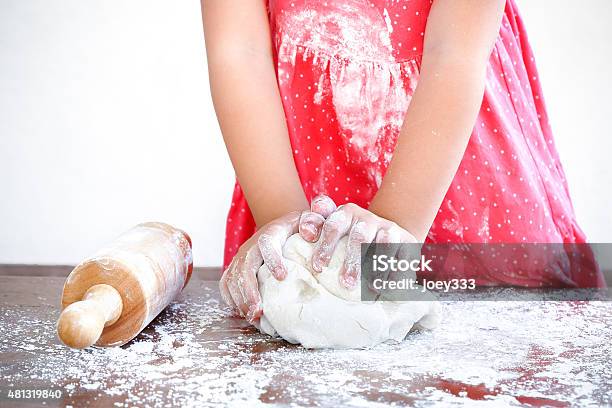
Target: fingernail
[(318, 262), (280, 273), (315, 265), (254, 313), (318, 199), (309, 230), (349, 281), (382, 237)]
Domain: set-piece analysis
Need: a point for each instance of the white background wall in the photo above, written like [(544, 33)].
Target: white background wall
[(106, 121)]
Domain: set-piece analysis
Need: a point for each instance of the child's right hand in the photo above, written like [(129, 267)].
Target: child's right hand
[(238, 285)]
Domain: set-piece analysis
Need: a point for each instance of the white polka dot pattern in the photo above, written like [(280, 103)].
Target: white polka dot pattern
[(347, 71)]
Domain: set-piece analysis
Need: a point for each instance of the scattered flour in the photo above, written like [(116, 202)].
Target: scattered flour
[(488, 354)]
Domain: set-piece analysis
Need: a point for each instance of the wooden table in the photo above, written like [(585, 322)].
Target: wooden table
[(194, 353)]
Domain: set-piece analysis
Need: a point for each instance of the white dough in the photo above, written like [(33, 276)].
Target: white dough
[(315, 311)]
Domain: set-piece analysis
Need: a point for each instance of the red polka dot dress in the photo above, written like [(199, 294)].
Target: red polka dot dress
[(347, 71)]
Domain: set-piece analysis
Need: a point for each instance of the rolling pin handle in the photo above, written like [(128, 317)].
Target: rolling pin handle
[(81, 323)]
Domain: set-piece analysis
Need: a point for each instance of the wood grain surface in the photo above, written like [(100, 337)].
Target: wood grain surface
[(196, 354)]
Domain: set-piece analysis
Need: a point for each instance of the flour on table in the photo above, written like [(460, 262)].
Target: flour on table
[(315, 311), (195, 354)]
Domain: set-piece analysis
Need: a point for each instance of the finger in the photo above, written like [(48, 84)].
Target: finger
[(361, 233), (225, 295), (383, 236), (389, 239), (323, 205), (409, 248), (386, 244), (233, 286), (272, 253), (271, 242), (335, 227), (250, 287), (310, 225), (406, 248)]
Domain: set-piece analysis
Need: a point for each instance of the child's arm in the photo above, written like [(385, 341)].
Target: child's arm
[(458, 41), (248, 106)]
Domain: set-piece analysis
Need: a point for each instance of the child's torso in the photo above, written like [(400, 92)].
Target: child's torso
[(347, 71)]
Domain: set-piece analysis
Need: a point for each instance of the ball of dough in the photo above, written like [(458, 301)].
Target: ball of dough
[(314, 310)]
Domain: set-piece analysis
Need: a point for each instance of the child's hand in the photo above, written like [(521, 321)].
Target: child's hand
[(312, 221), (238, 285), (361, 226)]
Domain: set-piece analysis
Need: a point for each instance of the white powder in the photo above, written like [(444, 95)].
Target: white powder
[(488, 353), (348, 43)]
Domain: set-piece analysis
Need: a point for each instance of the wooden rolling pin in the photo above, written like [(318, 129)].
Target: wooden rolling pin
[(110, 297)]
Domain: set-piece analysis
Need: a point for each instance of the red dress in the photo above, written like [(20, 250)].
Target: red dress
[(346, 72)]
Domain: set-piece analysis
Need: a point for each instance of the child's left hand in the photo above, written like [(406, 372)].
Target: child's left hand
[(361, 226)]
